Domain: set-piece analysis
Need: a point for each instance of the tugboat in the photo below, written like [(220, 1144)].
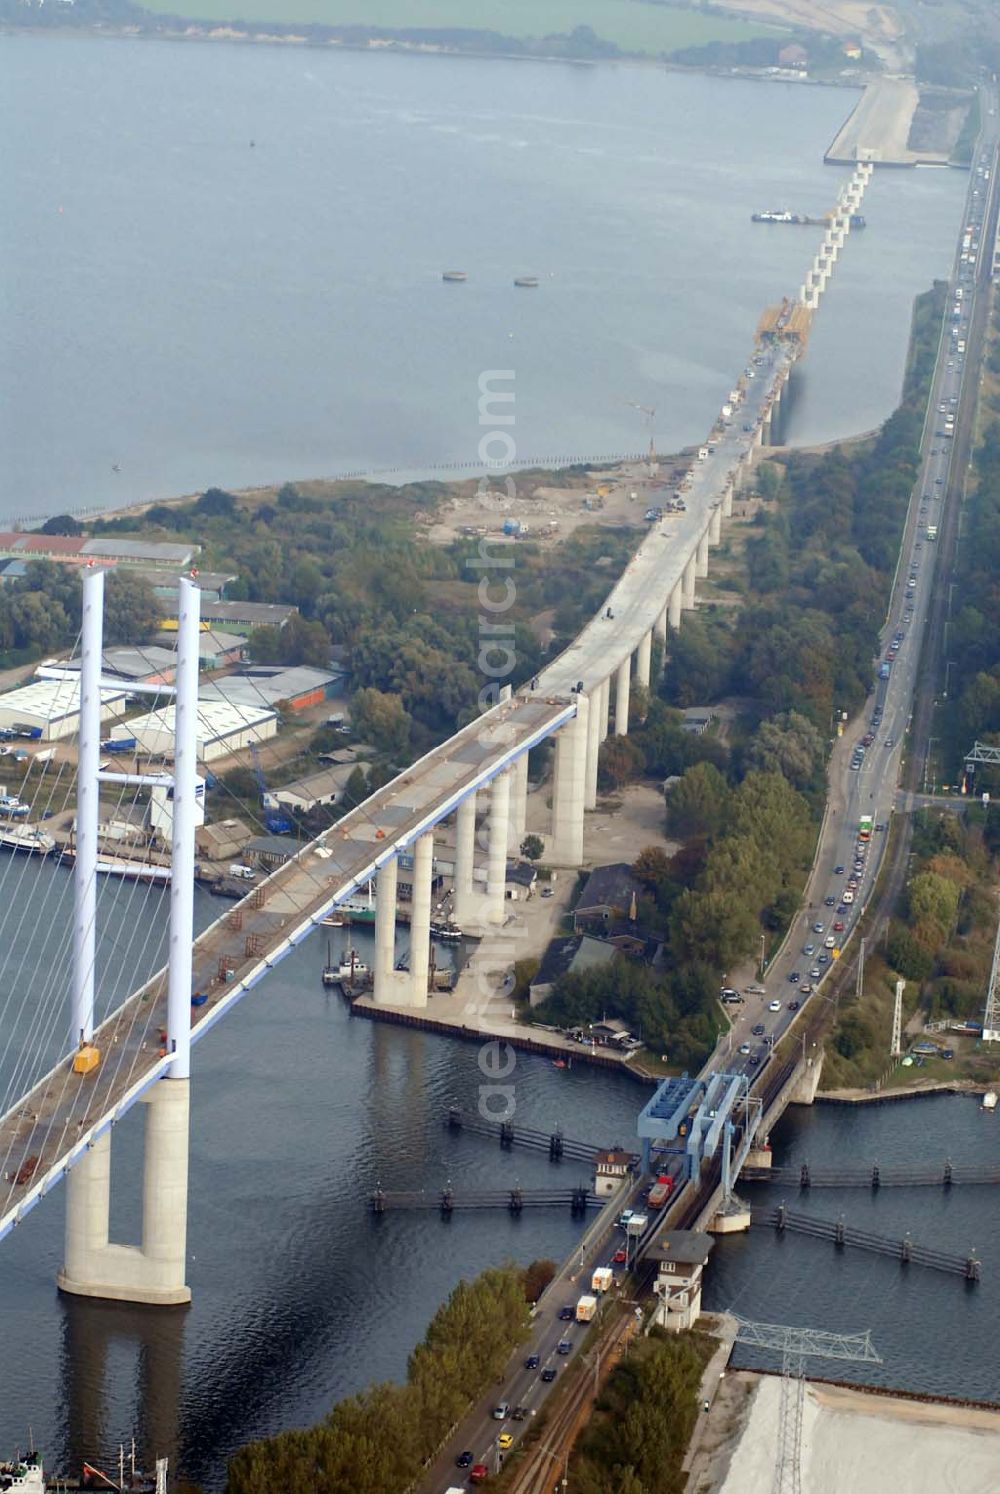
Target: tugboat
[(446, 932), (351, 964)]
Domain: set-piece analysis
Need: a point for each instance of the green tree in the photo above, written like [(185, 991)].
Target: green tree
[(380, 718), (532, 847), (131, 612), (699, 803)]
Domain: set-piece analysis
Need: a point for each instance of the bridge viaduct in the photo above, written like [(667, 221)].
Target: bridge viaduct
[(61, 1127)]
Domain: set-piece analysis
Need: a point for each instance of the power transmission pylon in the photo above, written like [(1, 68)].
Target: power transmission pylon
[(991, 1013), (795, 1345)]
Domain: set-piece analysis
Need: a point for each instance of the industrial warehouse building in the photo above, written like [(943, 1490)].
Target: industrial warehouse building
[(50, 709), (316, 789), (222, 728), (298, 687)]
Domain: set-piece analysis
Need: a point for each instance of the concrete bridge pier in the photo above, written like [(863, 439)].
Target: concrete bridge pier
[(594, 719), (660, 626), (154, 1272), (389, 987), (622, 691), (803, 1092), (464, 908), (518, 803), (496, 852), (420, 911), (643, 656), (715, 526), (690, 573), (727, 501), (674, 606), (701, 555), (569, 788), (605, 706)]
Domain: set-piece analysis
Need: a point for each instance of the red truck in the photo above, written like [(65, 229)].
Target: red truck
[(660, 1191)]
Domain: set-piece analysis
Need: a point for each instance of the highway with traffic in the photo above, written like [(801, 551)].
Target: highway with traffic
[(864, 776)]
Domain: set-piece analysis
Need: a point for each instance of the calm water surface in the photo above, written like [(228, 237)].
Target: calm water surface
[(202, 310)]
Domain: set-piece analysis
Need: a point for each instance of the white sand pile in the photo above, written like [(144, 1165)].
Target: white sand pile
[(871, 1444)]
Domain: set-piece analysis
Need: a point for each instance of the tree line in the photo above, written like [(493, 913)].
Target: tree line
[(381, 1438)]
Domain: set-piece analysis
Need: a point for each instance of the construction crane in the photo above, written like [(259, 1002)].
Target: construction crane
[(650, 414), (276, 822)]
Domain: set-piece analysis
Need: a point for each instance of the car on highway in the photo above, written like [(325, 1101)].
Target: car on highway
[(620, 1257), (830, 900), (889, 742), (465, 1460), (838, 871), (806, 990), (794, 976), (532, 1361), (757, 1030), (505, 1440), (808, 949), (744, 1048), (754, 1059), (793, 1006), (548, 1374), (501, 1411), (838, 927), (478, 1473), (818, 928), (564, 1346), (815, 973), (520, 1413), (828, 943), (774, 1006), (566, 1313)]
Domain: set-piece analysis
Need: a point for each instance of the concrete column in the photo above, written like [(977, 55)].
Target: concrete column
[(690, 571), (605, 706), (464, 903), (660, 625), (622, 688), (420, 918), (674, 606), (165, 1188), (642, 659), (518, 803), (88, 1199), (702, 556), (386, 986), (496, 872), (569, 788), (593, 747), (715, 526), (727, 501)]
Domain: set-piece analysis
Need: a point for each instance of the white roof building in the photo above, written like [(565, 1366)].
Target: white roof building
[(222, 728), (51, 708)]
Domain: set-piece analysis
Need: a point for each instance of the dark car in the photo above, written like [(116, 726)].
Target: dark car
[(520, 1413), (830, 901), (758, 1031), (548, 1375), (794, 976), (754, 1060), (566, 1315), (564, 1346), (838, 871), (532, 1361), (793, 1006), (464, 1460)]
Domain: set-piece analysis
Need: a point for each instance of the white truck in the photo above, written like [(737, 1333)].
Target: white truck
[(602, 1279), (586, 1309)]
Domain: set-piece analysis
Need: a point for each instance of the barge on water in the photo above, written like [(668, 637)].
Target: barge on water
[(782, 215)]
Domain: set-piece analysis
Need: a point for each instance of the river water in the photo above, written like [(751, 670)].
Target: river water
[(223, 264), (200, 311)]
